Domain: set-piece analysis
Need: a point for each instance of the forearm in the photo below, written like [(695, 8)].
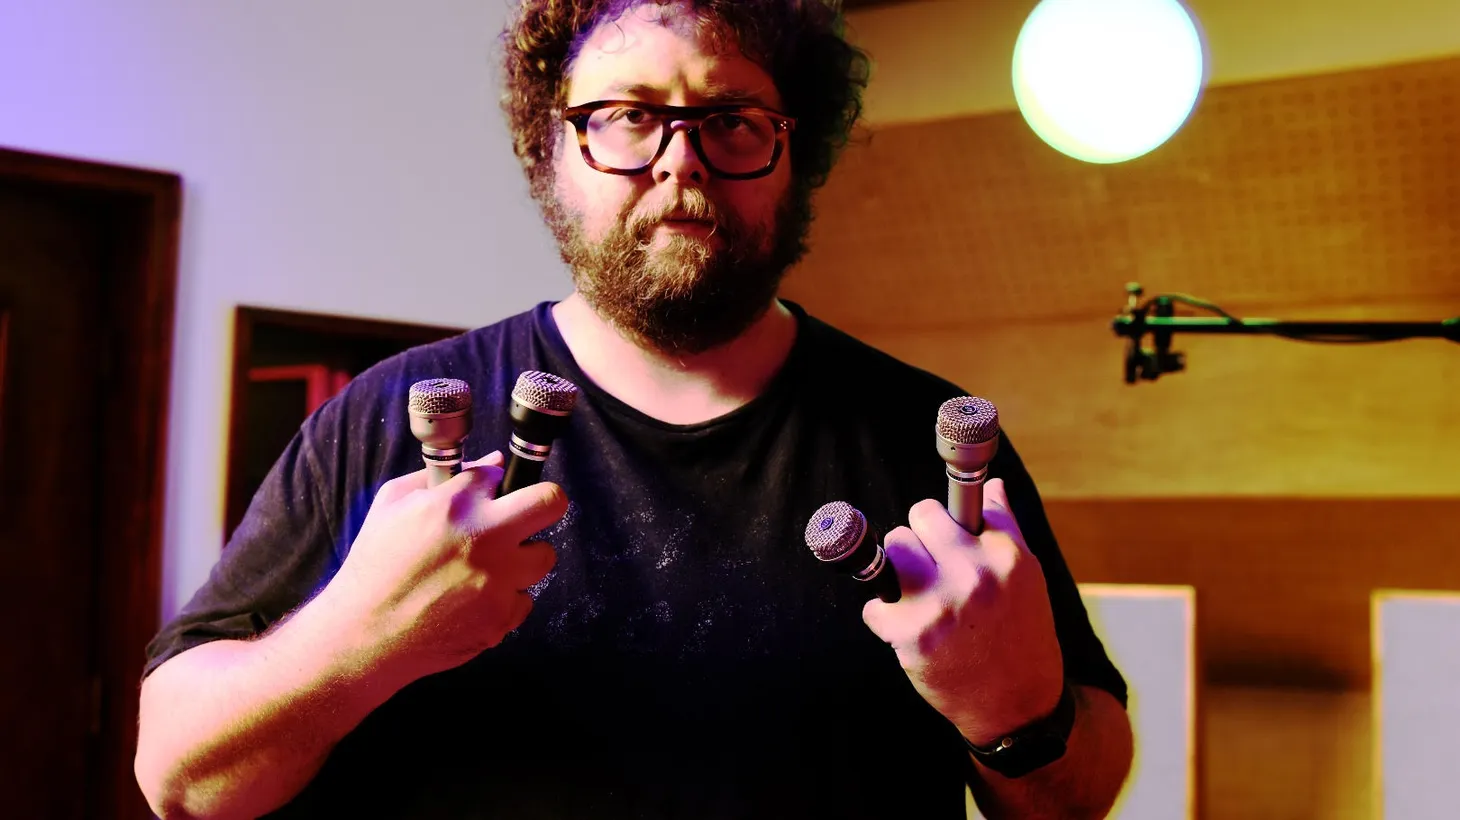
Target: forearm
[(238, 728), (1084, 783)]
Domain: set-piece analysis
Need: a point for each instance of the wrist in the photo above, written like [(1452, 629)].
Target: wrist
[(350, 654), (1031, 745), (1031, 704)]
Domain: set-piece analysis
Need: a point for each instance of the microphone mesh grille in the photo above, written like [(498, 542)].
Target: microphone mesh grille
[(544, 391), (968, 420), (440, 396), (834, 530)]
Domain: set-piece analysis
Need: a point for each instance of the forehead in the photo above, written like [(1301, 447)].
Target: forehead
[(665, 53)]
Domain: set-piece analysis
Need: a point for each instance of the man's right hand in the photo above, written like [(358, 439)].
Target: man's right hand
[(439, 574)]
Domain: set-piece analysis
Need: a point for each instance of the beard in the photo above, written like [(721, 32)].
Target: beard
[(689, 294)]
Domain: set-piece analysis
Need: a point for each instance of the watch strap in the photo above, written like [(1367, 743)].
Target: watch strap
[(1032, 746)]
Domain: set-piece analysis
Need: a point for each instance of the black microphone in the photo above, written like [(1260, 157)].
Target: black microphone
[(541, 406), (968, 437), (838, 534), (440, 411)]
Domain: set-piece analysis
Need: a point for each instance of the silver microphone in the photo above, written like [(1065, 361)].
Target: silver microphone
[(838, 534), (440, 411), (968, 437)]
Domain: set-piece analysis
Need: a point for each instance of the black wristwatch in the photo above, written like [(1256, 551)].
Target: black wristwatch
[(1033, 746)]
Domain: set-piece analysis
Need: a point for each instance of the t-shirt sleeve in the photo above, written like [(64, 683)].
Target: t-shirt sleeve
[(280, 555), (1085, 658)]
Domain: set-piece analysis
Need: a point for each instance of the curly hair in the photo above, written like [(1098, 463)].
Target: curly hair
[(800, 43)]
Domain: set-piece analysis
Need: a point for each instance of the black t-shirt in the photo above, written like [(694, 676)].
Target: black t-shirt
[(688, 656)]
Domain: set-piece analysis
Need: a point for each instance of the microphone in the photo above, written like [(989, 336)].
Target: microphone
[(541, 406), (968, 437), (440, 411), (838, 534)]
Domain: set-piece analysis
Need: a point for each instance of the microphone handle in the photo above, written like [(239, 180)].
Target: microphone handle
[(441, 463), (965, 498), (885, 584), (437, 474), (521, 471)]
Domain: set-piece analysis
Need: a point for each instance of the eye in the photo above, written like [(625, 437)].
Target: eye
[(731, 122), (630, 116)]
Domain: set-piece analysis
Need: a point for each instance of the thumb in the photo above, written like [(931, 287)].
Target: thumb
[(995, 494), (528, 510), (997, 514)]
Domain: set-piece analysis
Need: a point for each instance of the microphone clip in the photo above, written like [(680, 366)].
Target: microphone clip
[(1146, 363)]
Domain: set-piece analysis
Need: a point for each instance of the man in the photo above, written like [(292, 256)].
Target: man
[(643, 634)]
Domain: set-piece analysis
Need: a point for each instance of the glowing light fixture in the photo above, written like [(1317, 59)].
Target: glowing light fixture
[(1108, 80)]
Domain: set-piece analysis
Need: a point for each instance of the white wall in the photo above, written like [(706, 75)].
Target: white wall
[(338, 156), (938, 59)]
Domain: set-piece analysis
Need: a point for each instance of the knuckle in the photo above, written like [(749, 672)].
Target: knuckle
[(481, 475), (923, 512)]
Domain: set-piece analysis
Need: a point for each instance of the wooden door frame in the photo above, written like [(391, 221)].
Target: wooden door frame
[(139, 297)]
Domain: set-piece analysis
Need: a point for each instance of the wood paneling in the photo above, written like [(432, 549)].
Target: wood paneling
[(1282, 584), (1343, 188), (1252, 416)]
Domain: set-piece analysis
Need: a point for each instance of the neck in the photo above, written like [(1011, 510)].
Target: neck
[(676, 389)]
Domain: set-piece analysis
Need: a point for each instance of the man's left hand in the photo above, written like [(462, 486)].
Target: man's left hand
[(973, 629)]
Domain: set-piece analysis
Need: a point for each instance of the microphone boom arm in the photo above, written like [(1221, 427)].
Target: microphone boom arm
[(1149, 364)]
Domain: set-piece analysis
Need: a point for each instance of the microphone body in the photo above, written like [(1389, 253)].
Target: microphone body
[(440, 411), (541, 407), (968, 437), (837, 534)]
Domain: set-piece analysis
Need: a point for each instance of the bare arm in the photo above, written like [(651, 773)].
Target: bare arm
[(238, 728), (436, 576), (1083, 783)]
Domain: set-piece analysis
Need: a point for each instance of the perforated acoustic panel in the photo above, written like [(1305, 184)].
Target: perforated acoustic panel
[(1333, 189)]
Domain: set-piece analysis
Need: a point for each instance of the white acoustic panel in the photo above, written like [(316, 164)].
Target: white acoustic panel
[(1150, 633), (1416, 644)]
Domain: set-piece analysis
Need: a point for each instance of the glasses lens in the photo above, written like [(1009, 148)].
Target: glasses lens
[(624, 138), (738, 143), (627, 138)]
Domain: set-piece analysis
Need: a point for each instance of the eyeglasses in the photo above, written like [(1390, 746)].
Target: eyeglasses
[(733, 141)]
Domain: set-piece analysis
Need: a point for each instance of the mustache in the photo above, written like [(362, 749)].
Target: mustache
[(686, 203)]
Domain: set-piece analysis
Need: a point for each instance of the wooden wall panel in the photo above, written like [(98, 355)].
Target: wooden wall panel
[(1282, 584), (1343, 188)]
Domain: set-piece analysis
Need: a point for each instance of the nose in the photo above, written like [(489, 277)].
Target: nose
[(680, 161)]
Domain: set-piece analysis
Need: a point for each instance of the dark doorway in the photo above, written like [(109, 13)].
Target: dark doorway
[(88, 269)]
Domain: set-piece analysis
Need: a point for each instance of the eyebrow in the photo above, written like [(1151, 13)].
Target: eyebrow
[(714, 94)]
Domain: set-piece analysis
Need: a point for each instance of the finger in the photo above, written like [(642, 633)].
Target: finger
[(880, 618), (899, 624), (479, 478), (531, 562), (400, 487), (521, 608), (492, 459), (916, 568), (944, 538), (997, 513), (527, 511)]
